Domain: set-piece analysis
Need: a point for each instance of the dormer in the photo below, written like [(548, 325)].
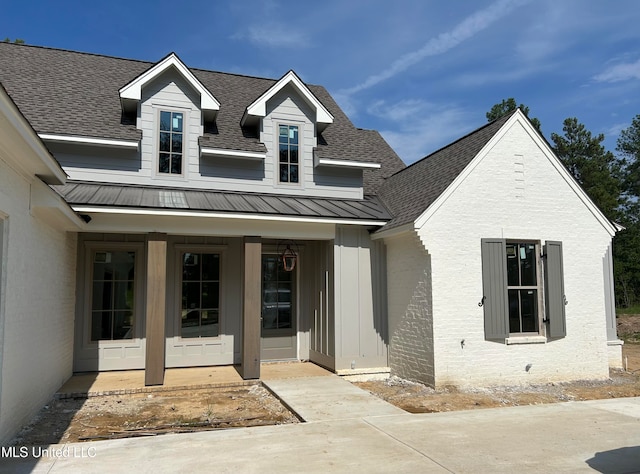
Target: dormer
[(131, 93), (258, 109)]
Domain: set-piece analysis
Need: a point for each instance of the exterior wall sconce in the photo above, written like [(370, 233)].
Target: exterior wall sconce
[(289, 257)]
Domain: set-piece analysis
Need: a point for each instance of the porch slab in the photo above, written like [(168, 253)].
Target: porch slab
[(290, 370), (132, 381)]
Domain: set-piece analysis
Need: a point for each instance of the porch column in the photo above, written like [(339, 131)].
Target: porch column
[(251, 326), (155, 313)]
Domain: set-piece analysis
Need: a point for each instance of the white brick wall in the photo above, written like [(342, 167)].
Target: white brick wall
[(37, 341), (410, 315), (514, 193)]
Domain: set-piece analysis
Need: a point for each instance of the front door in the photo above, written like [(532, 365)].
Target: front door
[(278, 310)]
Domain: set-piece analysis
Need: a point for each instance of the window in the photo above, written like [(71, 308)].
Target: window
[(113, 294), (515, 291), (200, 311), (288, 153), (170, 148), (522, 287)]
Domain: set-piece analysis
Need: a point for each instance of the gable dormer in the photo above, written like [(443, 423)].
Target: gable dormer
[(258, 108), (131, 93)]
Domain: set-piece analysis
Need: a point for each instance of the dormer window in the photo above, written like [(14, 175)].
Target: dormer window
[(288, 153), (170, 148)]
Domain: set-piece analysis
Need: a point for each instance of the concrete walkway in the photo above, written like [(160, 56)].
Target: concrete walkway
[(328, 398), (595, 436)]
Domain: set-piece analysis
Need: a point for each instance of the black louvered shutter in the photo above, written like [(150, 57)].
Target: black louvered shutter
[(494, 287), (554, 289)]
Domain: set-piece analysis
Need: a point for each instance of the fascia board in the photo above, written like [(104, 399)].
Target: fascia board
[(555, 161), (233, 153), (259, 107), (133, 90), (46, 199), (346, 163), (422, 219), (518, 117), (222, 215), (103, 142), (385, 234), (38, 160)]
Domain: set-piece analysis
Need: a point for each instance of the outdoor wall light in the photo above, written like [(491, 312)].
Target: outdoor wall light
[(289, 257)]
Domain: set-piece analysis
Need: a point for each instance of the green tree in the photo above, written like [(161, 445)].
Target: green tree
[(508, 106), (627, 242), (15, 41), (594, 168), (629, 147)]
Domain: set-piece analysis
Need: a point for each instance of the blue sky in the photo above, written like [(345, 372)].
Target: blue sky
[(422, 72)]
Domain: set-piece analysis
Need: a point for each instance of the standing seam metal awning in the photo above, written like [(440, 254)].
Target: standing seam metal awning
[(128, 196)]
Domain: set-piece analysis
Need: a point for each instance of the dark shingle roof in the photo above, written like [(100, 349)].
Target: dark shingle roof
[(149, 197), (71, 93), (411, 191)]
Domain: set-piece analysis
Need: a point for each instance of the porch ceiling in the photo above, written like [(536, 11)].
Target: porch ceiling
[(108, 195)]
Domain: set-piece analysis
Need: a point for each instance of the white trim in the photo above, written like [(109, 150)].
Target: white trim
[(347, 163), (259, 107), (106, 142), (157, 114), (517, 117), (35, 159), (277, 183), (385, 234), (222, 215), (253, 155), (515, 340), (177, 339), (133, 90)]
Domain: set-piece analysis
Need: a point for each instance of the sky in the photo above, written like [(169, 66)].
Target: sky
[(422, 72)]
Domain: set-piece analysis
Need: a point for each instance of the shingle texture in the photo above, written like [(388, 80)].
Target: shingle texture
[(71, 93), (411, 191), (113, 195)]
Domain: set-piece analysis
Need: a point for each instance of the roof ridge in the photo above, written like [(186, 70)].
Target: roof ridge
[(64, 50), (108, 56)]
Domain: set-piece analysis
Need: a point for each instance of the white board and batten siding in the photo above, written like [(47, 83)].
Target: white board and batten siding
[(170, 92), (523, 196), (359, 301)]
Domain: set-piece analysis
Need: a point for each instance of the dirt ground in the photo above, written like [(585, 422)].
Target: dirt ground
[(417, 398), (150, 414)]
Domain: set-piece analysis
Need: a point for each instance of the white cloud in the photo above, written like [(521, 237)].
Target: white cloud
[(346, 103), (399, 112), (620, 72), (425, 132), (273, 35), (466, 29), (615, 129)]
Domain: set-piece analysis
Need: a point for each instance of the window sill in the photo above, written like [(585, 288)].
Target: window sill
[(525, 340)]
